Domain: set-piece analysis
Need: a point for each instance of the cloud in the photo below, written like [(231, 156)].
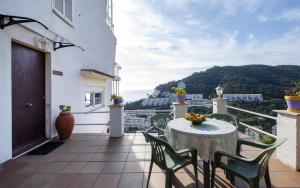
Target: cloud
[(154, 49), (288, 15)]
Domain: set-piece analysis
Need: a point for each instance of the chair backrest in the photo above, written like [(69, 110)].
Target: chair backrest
[(263, 159), (225, 117), (159, 147), (160, 121)]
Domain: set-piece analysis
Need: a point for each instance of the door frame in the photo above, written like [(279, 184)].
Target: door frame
[(48, 85)]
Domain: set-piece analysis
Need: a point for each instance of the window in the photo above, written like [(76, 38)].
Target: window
[(93, 98), (64, 8), (89, 99), (98, 98)]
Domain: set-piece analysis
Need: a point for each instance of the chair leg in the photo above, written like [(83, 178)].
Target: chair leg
[(232, 179), (254, 183), (267, 178), (212, 179), (196, 173), (169, 179), (149, 175)]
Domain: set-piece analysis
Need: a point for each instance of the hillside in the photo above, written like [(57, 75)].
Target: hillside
[(267, 80), (270, 81)]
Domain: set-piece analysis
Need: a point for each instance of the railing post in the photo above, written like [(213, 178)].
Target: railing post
[(179, 109), (220, 106), (288, 126), (116, 121)]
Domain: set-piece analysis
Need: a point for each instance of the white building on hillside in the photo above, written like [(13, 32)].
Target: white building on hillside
[(41, 67), (243, 97)]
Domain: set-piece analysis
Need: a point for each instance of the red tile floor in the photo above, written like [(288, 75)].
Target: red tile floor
[(95, 160)]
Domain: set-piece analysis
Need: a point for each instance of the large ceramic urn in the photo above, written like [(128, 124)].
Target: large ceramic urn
[(64, 125)]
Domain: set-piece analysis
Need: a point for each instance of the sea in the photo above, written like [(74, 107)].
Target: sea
[(134, 95)]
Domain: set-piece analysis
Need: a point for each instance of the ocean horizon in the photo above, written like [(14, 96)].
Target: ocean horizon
[(134, 95)]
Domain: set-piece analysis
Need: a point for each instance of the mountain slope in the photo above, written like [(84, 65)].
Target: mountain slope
[(267, 80)]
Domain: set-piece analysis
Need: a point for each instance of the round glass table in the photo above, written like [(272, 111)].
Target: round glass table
[(211, 136)]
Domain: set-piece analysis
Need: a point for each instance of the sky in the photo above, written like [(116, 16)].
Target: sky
[(163, 40)]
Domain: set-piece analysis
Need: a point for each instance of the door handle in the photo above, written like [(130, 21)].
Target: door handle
[(29, 105)]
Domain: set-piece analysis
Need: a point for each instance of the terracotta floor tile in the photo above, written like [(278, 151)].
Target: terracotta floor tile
[(114, 149), (155, 168), (83, 157), (84, 181), (118, 157), (135, 156), (93, 167), (138, 148), (51, 167), (101, 157), (74, 167), (147, 156), (13, 180), (157, 180), (139, 142), (14, 167), (113, 167), (132, 180), (107, 181), (65, 156), (185, 180), (48, 181), (134, 167)]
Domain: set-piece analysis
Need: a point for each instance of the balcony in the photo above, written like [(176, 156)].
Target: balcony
[(96, 160)]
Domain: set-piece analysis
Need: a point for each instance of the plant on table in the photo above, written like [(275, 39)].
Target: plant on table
[(292, 97)]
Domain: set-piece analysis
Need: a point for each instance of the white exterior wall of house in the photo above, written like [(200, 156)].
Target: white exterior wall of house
[(88, 30)]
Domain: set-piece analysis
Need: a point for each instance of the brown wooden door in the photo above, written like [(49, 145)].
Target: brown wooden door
[(28, 97)]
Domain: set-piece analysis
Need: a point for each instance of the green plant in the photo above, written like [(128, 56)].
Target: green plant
[(179, 91), (116, 97), (293, 91), (64, 108)]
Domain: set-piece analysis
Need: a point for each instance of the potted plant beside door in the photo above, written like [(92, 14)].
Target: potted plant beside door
[(65, 122), (181, 93), (292, 97)]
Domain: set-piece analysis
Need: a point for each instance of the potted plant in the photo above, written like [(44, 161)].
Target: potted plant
[(181, 93), (65, 122), (117, 99), (292, 97)]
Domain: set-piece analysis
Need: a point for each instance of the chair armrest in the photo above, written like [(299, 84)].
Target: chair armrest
[(159, 129), (162, 137), (219, 154), (149, 129), (241, 142), (184, 151)]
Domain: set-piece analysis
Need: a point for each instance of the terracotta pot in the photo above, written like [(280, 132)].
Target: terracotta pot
[(64, 125), (117, 101), (293, 103), (181, 98)]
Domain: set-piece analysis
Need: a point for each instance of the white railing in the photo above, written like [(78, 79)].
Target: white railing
[(141, 123), (251, 112), (257, 114), (91, 122)]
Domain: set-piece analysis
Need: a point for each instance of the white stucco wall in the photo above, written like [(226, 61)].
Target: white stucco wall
[(89, 30), (5, 99)]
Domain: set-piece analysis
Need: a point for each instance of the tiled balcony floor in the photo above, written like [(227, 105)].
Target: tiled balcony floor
[(94, 160)]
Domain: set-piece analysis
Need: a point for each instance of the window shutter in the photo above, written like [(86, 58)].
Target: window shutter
[(59, 5), (68, 9)]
